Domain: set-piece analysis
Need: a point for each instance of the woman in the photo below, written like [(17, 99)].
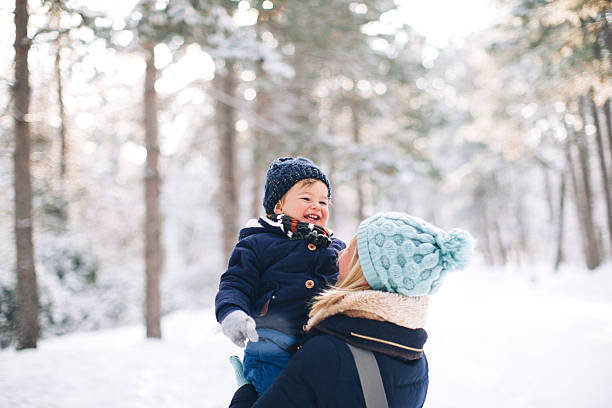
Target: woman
[(379, 304)]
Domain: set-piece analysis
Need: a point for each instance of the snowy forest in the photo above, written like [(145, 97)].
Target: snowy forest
[(135, 138)]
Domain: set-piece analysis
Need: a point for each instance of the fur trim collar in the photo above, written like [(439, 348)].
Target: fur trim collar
[(405, 311)]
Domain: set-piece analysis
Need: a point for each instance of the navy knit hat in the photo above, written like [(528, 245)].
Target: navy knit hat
[(283, 173), (403, 254)]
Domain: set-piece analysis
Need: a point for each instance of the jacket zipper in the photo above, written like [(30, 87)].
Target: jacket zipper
[(361, 336)]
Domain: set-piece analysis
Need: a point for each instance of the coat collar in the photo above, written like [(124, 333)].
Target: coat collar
[(382, 337), (388, 323), (405, 311)]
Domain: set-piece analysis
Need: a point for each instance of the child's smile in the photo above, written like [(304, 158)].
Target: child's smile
[(312, 217)]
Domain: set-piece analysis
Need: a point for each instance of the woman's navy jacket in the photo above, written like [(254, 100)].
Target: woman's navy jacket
[(273, 278), (322, 373)]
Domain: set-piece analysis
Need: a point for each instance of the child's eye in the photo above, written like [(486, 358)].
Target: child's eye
[(323, 202)]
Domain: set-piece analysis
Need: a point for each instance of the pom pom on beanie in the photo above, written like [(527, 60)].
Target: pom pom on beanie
[(283, 173), (456, 249), (403, 254)]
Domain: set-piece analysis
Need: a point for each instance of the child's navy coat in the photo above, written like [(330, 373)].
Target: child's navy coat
[(273, 278)]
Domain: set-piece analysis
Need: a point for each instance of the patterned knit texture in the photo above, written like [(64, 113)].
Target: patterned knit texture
[(283, 173), (403, 254)]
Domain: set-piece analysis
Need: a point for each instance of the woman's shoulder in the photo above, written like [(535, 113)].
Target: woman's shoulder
[(328, 356), (321, 349), (324, 362), (322, 342)]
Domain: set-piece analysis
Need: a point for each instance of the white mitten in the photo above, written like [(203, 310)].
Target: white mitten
[(239, 326)]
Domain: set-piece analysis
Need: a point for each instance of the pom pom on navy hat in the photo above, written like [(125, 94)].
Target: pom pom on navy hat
[(283, 173), (403, 254)]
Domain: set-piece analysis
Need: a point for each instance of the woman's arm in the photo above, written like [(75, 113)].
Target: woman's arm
[(292, 388), (244, 397), (308, 381)]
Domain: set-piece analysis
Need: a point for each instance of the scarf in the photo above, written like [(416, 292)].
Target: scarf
[(294, 229)]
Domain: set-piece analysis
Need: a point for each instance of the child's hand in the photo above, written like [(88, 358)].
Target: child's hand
[(238, 371), (239, 326)]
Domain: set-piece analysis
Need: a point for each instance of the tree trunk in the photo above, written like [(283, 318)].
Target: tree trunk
[(494, 212), (580, 200), (607, 31), (560, 231), (358, 174), (332, 168), (520, 236), (578, 197), (259, 178), (226, 118), (602, 165), (261, 148), (62, 112), (27, 288), (549, 193), (498, 240), (607, 115), (593, 255), (483, 223), (152, 227), (62, 205)]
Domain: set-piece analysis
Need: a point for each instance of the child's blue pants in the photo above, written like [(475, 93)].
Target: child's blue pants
[(264, 360)]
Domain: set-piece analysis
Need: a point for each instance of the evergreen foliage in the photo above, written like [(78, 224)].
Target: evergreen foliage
[(481, 134)]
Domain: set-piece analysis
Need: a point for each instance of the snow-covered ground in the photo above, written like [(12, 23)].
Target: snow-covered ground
[(497, 339)]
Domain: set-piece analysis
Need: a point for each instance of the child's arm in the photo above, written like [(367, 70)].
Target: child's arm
[(239, 283), (337, 245), (330, 267)]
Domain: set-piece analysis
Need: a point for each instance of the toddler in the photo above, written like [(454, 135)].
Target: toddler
[(279, 263)]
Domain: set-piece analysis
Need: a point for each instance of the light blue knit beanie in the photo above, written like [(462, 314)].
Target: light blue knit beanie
[(403, 254)]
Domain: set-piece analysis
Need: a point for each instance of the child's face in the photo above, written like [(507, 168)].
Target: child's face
[(306, 203)]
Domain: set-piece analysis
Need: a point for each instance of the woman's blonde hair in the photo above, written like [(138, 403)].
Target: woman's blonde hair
[(354, 281)]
